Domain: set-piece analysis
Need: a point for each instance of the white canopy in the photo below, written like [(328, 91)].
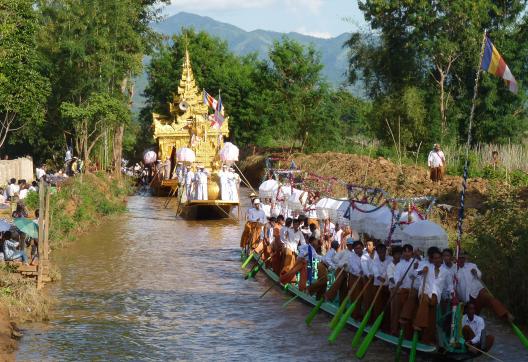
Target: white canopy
[(267, 189), (342, 213), (229, 153), (283, 193), (326, 208), (357, 217), (424, 234), (377, 223), (414, 217), (185, 154), (295, 202)]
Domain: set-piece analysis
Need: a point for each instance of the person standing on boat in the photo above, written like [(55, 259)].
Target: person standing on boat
[(200, 180), (436, 162), (189, 178), (255, 221), (225, 188), (471, 289), (179, 174), (233, 183), (167, 168), (474, 330)]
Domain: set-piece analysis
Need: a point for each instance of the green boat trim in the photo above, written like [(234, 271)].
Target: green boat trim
[(331, 308)]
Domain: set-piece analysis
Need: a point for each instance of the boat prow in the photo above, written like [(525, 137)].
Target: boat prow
[(208, 209)]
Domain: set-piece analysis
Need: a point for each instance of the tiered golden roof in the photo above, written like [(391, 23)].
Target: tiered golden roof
[(188, 124)]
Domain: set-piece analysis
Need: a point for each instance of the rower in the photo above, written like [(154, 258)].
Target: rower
[(255, 221), (277, 245), (433, 279), (404, 304), (294, 238), (474, 330), (396, 252), (341, 260), (306, 256), (381, 264), (355, 271), (326, 264), (471, 289), (269, 237), (368, 269)]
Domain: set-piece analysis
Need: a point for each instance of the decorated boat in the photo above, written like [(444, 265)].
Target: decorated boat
[(191, 140)]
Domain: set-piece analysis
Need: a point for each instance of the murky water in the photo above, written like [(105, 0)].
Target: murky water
[(148, 286)]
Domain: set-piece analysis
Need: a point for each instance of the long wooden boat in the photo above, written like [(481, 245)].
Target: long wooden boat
[(444, 351), (207, 209)]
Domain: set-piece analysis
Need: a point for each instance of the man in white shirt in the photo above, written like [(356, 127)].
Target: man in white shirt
[(396, 252), (12, 188), (436, 162), (470, 288), (474, 330), (341, 260), (189, 177), (305, 259), (224, 183), (294, 238), (326, 263), (40, 172), (381, 264), (404, 304), (200, 181), (368, 269), (233, 182), (255, 220)]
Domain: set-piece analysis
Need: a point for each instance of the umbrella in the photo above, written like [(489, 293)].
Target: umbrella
[(149, 157), (424, 234), (326, 208), (268, 188), (358, 218), (378, 223), (229, 152), (185, 154), (294, 202), (27, 226), (4, 226)]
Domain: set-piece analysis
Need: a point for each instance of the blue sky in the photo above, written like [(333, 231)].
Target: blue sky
[(322, 18)]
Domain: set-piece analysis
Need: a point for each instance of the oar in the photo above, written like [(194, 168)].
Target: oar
[(267, 290), (377, 323), (483, 352), (315, 309), (245, 263), (359, 332), (343, 305), (290, 300), (256, 269), (516, 330), (412, 355), (399, 348), (344, 318)]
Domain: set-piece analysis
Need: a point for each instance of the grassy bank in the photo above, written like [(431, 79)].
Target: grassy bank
[(77, 205)]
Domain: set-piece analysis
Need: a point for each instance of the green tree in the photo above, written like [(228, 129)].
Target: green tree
[(23, 87)]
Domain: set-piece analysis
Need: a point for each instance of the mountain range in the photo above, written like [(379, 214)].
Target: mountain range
[(333, 55)]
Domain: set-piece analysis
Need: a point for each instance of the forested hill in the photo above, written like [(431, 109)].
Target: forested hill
[(334, 56)]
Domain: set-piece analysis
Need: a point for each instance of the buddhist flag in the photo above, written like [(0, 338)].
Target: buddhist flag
[(209, 100), (218, 116), (494, 63)]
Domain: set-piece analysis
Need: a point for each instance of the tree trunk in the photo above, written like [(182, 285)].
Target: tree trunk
[(118, 149)]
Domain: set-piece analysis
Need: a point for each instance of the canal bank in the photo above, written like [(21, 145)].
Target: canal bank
[(76, 205), (146, 285)]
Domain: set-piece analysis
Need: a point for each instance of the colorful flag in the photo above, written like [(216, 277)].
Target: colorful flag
[(209, 100), (494, 63), (218, 116)]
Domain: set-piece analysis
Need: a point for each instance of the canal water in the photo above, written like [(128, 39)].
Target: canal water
[(147, 286)]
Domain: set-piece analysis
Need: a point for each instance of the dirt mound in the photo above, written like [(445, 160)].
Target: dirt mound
[(379, 172)]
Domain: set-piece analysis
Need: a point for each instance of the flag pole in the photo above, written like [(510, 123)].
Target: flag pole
[(468, 145)]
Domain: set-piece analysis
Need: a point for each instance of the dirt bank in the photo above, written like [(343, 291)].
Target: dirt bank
[(377, 172), (8, 345)]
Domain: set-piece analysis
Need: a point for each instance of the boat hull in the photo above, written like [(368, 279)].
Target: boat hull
[(208, 209)]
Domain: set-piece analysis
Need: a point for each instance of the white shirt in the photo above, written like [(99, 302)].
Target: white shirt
[(189, 176), (39, 173), (254, 215), (468, 286), (477, 325), (23, 193), (354, 264), (342, 258), (337, 235), (449, 286), (434, 282), (367, 263), (304, 251), (12, 189), (294, 238), (391, 268), (436, 159), (284, 234), (266, 209), (400, 270), (380, 269), (329, 259)]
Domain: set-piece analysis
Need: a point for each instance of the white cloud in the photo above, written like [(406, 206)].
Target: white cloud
[(194, 5), (315, 34), (314, 6)]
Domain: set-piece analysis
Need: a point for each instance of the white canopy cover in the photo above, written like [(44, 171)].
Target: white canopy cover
[(424, 234)]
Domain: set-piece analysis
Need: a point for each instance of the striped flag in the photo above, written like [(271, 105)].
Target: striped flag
[(210, 100), (494, 63), (218, 116)]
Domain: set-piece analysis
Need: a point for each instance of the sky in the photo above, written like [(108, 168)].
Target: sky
[(320, 18)]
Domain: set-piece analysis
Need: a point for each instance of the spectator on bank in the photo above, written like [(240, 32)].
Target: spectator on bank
[(40, 172), (436, 162), (12, 189), (34, 187), (11, 253), (24, 189), (20, 210)]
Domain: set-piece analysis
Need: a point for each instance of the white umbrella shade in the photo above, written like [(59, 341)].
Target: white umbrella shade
[(295, 202), (268, 189), (283, 193), (356, 217), (149, 157), (229, 153), (378, 223), (424, 234), (326, 208), (185, 154), (4, 226)]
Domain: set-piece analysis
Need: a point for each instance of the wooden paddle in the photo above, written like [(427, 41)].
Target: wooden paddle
[(412, 355), (290, 300), (399, 348), (516, 330), (256, 269), (343, 305), (344, 318), (483, 352), (267, 290), (366, 318), (245, 263), (377, 323), (315, 309)]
